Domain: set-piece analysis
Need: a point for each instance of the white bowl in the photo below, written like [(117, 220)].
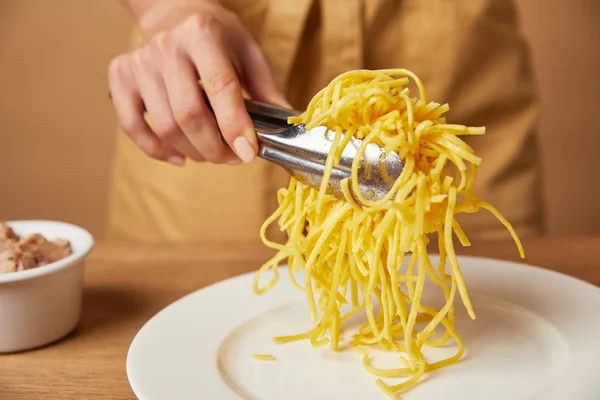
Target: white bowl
[(41, 305)]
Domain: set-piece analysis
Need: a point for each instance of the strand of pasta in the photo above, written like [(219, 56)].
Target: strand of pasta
[(352, 252)]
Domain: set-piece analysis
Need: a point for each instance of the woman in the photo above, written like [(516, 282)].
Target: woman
[(468, 53)]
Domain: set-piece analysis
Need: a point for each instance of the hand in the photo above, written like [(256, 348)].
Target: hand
[(191, 40)]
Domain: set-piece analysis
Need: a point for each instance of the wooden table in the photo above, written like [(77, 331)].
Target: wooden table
[(127, 284)]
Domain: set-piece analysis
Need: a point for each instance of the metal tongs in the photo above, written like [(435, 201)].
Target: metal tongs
[(303, 153)]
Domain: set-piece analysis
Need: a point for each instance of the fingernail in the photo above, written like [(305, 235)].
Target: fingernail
[(244, 149), (176, 160)]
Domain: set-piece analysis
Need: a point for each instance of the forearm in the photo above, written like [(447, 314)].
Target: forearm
[(155, 15), (138, 8)]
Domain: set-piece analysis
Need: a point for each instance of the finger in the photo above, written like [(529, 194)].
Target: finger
[(145, 68), (189, 109), (221, 83), (258, 77), (130, 112)]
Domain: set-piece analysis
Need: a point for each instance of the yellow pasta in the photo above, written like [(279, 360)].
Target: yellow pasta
[(358, 254), (263, 357)]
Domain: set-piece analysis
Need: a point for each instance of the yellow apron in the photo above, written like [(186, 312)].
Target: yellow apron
[(469, 53)]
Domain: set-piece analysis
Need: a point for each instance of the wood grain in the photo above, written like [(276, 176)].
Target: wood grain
[(127, 284)]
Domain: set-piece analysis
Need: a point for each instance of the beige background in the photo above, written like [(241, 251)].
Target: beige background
[(56, 122), (57, 125)]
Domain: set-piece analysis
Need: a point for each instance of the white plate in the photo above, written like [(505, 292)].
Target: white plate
[(536, 336)]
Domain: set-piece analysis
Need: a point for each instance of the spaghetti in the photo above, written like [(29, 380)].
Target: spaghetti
[(263, 357), (368, 256)]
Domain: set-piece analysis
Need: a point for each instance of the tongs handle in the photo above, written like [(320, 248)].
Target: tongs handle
[(267, 118), (263, 115), (270, 114)]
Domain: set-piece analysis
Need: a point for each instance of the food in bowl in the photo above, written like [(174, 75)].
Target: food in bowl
[(31, 251), (39, 306)]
